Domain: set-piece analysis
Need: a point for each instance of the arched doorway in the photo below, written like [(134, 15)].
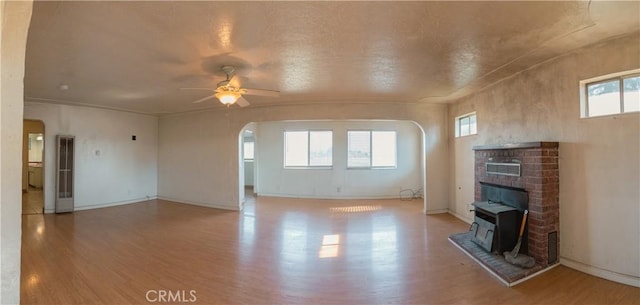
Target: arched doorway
[(33, 167), (247, 163)]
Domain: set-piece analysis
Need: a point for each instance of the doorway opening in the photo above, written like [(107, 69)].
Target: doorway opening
[(33, 167), (247, 163)]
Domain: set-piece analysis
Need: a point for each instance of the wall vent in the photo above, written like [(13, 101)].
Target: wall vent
[(504, 169)]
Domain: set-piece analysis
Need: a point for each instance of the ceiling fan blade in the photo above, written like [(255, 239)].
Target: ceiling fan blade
[(204, 99), (261, 92), (235, 82), (209, 89), (242, 102)]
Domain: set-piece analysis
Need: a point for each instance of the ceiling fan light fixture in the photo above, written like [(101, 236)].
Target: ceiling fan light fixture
[(229, 92), (227, 97)]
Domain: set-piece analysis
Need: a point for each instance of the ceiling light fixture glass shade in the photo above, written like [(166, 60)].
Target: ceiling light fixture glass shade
[(228, 97)]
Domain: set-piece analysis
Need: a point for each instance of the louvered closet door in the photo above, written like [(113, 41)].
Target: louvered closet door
[(64, 174)]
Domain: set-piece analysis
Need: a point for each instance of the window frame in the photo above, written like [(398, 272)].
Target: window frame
[(308, 166), (620, 79), (371, 166), (457, 127), (244, 149)]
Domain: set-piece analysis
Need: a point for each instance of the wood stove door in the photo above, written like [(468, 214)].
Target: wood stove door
[(483, 233)]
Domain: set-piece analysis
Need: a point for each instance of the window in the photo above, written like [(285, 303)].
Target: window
[(371, 149), (466, 125), (611, 95), (308, 148), (248, 150)]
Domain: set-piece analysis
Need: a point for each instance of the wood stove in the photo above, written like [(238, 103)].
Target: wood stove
[(498, 216), (510, 178)]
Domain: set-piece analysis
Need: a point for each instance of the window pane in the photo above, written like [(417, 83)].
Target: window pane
[(248, 150), (604, 98), (473, 127), (359, 149), (632, 94), (464, 126), (296, 148), (320, 148), (383, 148)]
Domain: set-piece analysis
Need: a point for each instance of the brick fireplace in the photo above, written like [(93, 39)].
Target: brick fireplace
[(539, 176)]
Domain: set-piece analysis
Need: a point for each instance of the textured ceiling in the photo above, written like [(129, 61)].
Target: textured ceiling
[(136, 56)]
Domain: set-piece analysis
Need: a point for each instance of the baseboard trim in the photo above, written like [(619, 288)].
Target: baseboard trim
[(107, 205), (602, 273), (456, 215), (201, 204), (329, 198), (436, 211)]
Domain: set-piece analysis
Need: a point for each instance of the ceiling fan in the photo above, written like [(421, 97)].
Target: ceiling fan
[(229, 91)]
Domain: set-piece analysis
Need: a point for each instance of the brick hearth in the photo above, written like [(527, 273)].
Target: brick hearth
[(540, 178)]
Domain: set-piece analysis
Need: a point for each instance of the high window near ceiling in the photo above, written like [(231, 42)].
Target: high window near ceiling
[(371, 149), (610, 95), (466, 125), (308, 148)]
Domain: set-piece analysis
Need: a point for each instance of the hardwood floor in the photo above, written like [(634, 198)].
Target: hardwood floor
[(277, 250), (32, 201)]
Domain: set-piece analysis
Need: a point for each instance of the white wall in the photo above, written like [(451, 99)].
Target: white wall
[(461, 188), (249, 168), (338, 182), (36, 149), (599, 158), (14, 18), (206, 172), (248, 173), (111, 169)]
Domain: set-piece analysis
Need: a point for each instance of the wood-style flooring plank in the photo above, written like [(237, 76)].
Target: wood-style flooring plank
[(278, 250)]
